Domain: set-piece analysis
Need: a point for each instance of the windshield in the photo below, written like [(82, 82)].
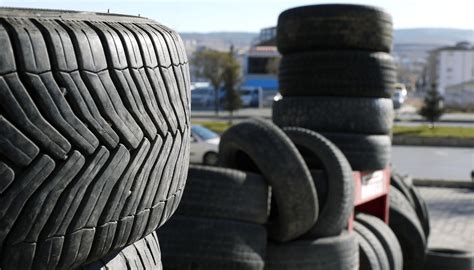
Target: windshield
[(203, 133)]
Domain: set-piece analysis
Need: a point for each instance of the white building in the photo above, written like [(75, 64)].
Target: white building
[(454, 65)]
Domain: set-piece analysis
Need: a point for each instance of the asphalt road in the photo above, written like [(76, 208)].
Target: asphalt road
[(434, 162)]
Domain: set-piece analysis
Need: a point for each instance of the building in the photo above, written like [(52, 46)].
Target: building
[(460, 96), (260, 65), (448, 66)]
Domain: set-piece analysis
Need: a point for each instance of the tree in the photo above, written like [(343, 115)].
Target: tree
[(210, 64), (231, 78), (433, 107)]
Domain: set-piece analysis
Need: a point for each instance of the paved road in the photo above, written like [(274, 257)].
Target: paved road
[(434, 162), (451, 213)]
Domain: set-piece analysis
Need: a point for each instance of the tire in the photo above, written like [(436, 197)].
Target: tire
[(330, 253), (339, 203), (337, 73), (143, 254), (333, 27), (367, 257), (200, 243), (437, 259), (335, 115), (364, 152), (97, 135), (405, 185), (382, 258), (225, 193), (406, 226), (211, 159), (296, 203), (386, 238)]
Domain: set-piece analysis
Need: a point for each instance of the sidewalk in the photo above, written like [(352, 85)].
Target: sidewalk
[(451, 212)]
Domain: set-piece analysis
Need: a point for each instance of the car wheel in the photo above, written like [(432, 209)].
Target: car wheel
[(211, 158)]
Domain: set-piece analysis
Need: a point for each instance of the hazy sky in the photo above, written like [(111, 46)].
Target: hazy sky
[(251, 15)]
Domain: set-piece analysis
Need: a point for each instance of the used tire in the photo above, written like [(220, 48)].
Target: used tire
[(143, 254), (95, 134), (367, 257), (335, 114), (200, 243), (364, 152), (406, 226), (330, 253), (337, 73), (437, 259), (339, 203), (334, 26), (250, 146), (405, 185), (380, 254), (225, 193), (386, 238)]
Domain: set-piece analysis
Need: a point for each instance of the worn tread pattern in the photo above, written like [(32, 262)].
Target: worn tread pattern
[(142, 255), (374, 242), (94, 146)]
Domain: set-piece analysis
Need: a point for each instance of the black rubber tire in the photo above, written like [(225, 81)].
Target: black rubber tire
[(337, 73), (95, 134), (374, 242), (386, 238), (367, 257), (334, 26), (211, 159), (330, 253), (405, 185), (144, 254), (364, 152), (200, 243), (440, 259), (225, 193), (406, 226), (339, 203), (335, 114), (250, 146)]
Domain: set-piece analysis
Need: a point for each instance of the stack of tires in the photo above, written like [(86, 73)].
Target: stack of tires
[(336, 76), (219, 223), (94, 138)]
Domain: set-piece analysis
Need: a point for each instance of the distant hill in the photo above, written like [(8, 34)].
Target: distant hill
[(218, 40), (441, 36)]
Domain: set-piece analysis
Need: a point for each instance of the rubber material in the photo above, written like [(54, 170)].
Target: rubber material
[(438, 258), (333, 27), (337, 73), (367, 257), (330, 253), (95, 134), (144, 254), (259, 146), (364, 152), (335, 114), (201, 243), (225, 193), (339, 203), (380, 254), (406, 226), (386, 237)]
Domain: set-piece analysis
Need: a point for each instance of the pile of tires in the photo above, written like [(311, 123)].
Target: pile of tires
[(336, 77), (94, 141)]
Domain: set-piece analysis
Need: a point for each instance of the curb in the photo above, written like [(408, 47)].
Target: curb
[(427, 141), (443, 183)]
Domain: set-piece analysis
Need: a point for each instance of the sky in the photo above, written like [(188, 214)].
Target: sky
[(252, 15)]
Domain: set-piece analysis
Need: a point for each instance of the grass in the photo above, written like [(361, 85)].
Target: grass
[(416, 131), (436, 132), (216, 126)]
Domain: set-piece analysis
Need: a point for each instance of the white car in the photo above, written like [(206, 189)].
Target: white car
[(204, 146)]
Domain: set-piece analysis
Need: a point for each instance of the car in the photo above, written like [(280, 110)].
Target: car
[(204, 146), (202, 97), (398, 96)]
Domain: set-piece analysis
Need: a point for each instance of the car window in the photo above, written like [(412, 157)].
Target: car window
[(204, 133)]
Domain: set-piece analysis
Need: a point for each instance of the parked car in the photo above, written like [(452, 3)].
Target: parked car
[(202, 97), (204, 145), (399, 95)]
